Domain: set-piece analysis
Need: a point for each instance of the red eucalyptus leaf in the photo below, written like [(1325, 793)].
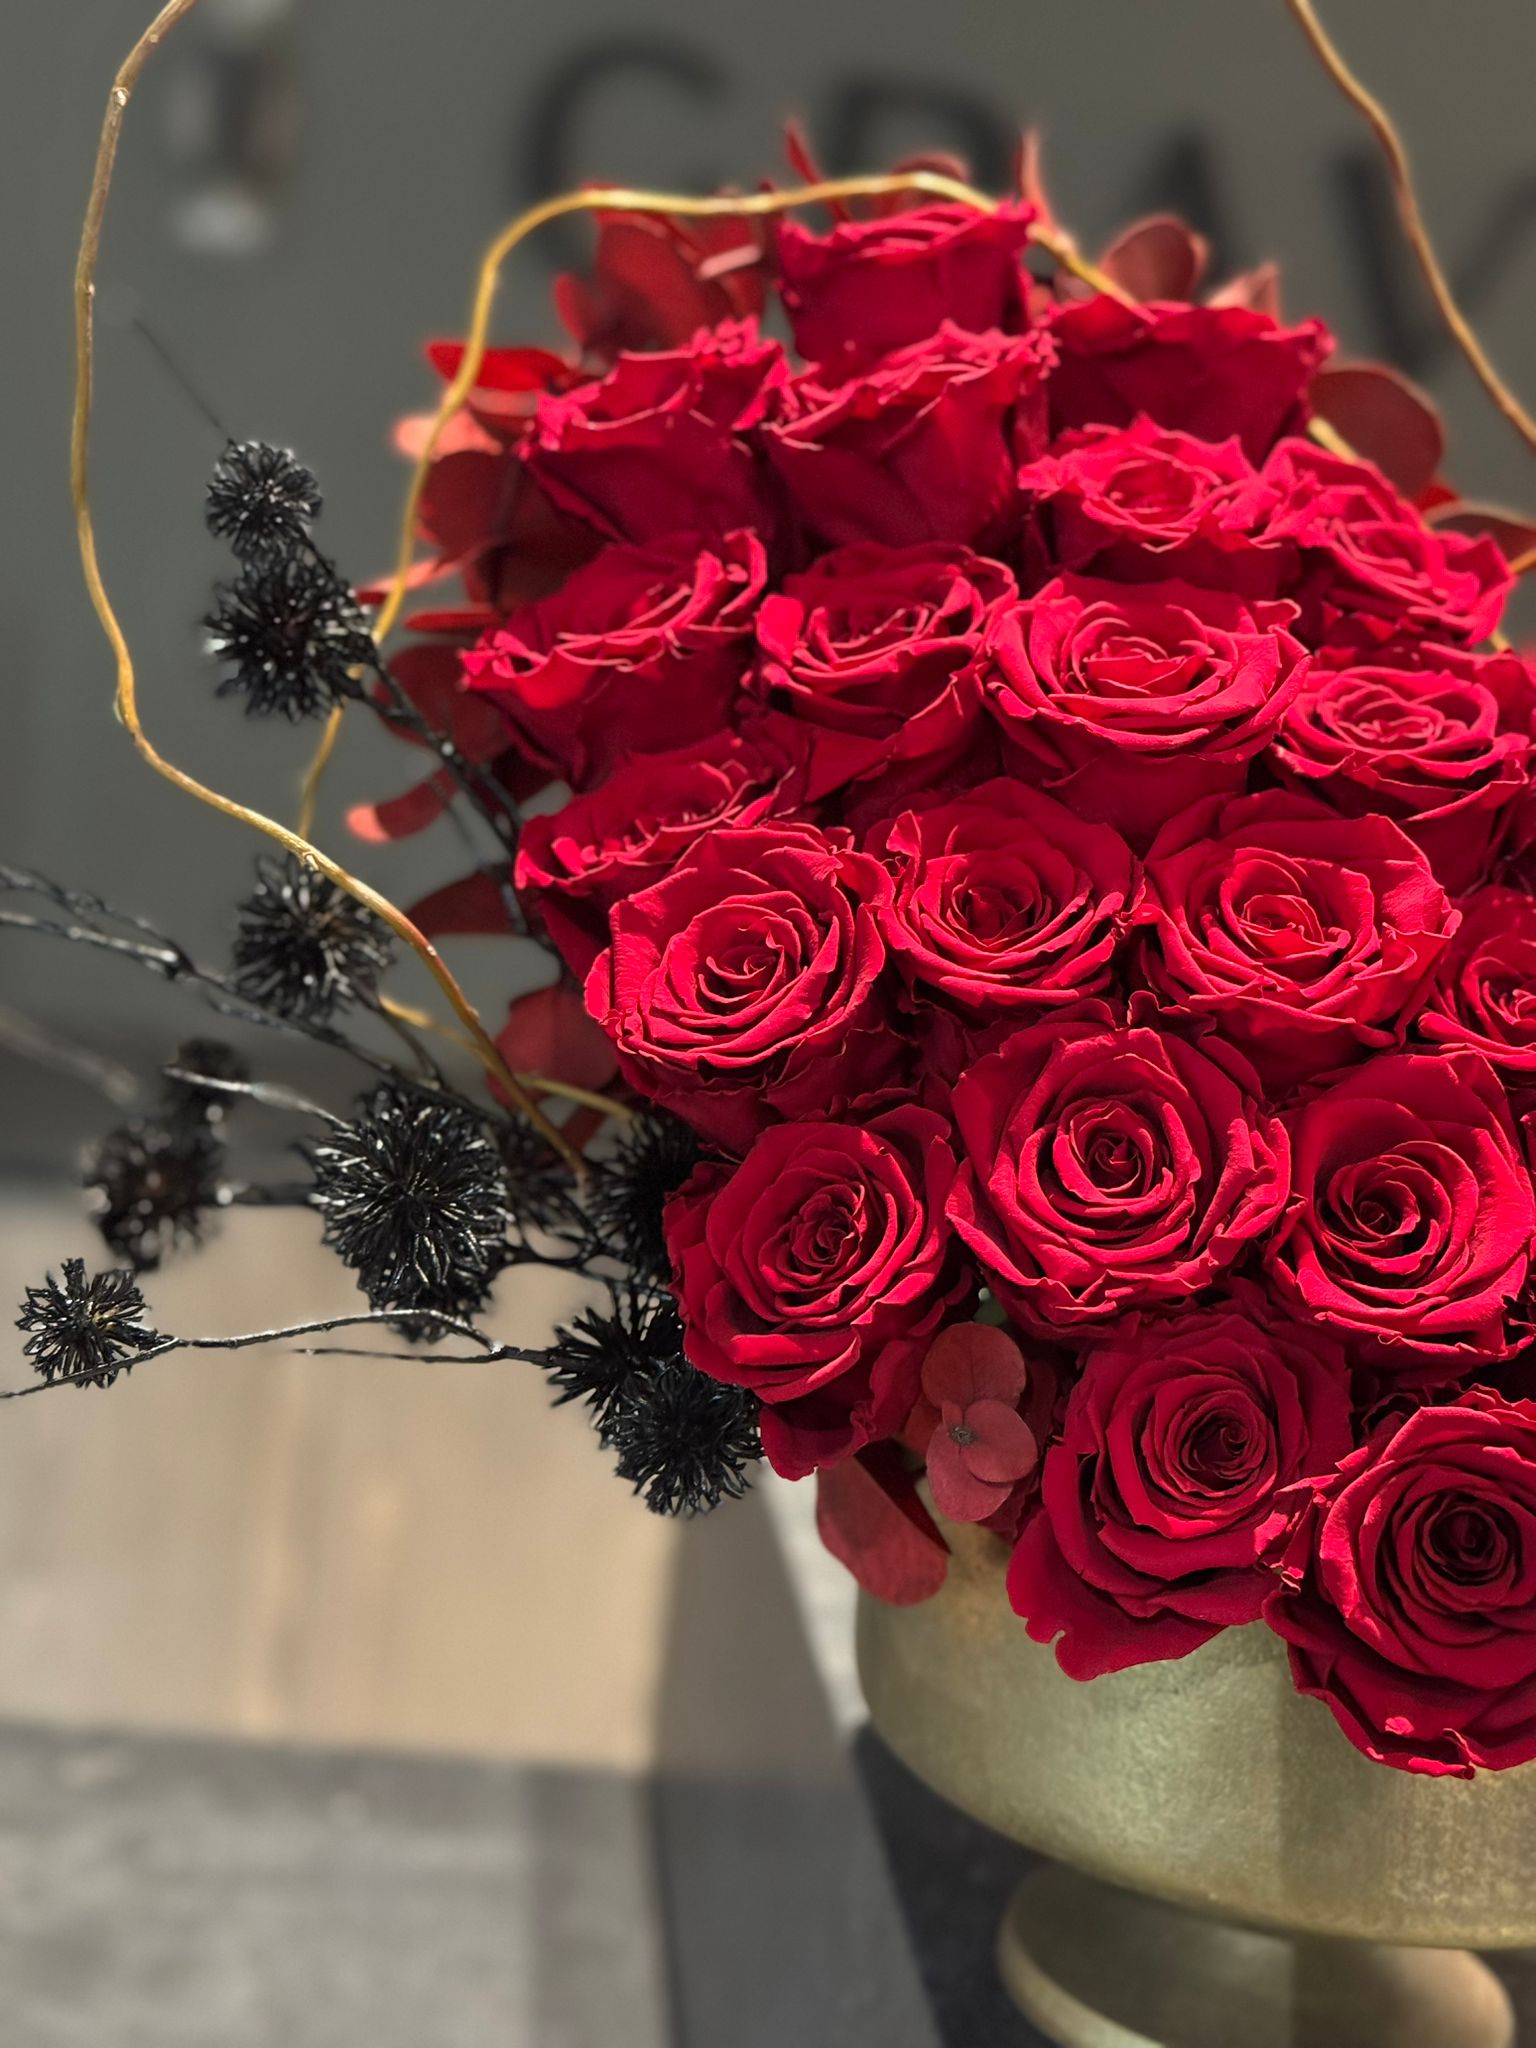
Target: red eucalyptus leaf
[(467, 500), (473, 906), (430, 676), (399, 817), (1384, 418), (463, 621), (549, 1032), (1157, 258), (501, 369), (463, 431), (869, 1516), (1512, 532), (1258, 290)]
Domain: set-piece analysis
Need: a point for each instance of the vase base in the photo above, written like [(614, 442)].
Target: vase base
[(1096, 1967)]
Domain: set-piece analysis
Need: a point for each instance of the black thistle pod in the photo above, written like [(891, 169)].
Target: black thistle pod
[(653, 1157), (262, 500), (303, 946), (289, 636), (414, 1199), (607, 1356), (151, 1186), (192, 1091), (686, 1442), (85, 1327)]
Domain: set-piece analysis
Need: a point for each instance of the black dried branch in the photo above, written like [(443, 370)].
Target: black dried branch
[(653, 1157), (543, 1194), (151, 1186), (88, 921), (414, 1200), (203, 1081), (303, 946), (290, 636), (261, 499), (86, 1328), (486, 1351)]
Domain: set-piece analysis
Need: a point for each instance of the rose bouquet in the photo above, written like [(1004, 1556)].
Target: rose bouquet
[(1054, 833), (1015, 767)]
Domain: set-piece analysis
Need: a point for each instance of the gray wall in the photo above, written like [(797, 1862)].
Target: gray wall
[(304, 188)]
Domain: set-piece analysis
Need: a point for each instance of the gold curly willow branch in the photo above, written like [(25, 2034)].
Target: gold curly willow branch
[(1396, 155), (296, 843)]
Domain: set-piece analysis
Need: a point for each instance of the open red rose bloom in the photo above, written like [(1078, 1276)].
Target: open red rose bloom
[(1036, 784)]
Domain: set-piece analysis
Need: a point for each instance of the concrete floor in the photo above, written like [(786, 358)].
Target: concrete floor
[(340, 1551)]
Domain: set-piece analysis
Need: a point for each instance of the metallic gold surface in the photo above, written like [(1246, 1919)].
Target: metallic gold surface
[(1094, 1967), (1208, 1782)]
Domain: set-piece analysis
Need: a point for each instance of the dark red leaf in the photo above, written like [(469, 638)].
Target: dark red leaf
[(1384, 418), (1512, 532), (549, 1032), (501, 369), (473, 905), (1157, 258), (870, 1517), (398, 817)]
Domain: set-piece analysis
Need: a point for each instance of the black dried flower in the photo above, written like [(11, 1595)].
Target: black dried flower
[(540, 1183), (653, 1157), (187, 1099), (85, 1328), (686, 1443), (414, 1200), (608, 1356), (290, 635), (261, 499), (684, 1440), (303, 946), (150, 1186)]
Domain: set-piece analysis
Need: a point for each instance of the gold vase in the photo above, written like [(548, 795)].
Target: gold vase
[(1227, 1871)]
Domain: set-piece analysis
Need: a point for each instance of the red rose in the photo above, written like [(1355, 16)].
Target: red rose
[(1484, 997), (1411, 1215), (662, 443), (813, 1272), (1210, 370), (870, 286), (1409, 1588), (922, 446), (868, 653), (1109, 1168), (633, 830), (1374, 567), (1004, 900), (1437, 739), (1132, 702), (1143, 503), (1165, 1497), (743, 988), (1301, 936), (641, 649)]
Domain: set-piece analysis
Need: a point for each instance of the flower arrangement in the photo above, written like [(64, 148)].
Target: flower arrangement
[(1031, 815)]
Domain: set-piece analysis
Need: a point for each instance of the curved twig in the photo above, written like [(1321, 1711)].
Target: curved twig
[(1392, 148), (295, 843)]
